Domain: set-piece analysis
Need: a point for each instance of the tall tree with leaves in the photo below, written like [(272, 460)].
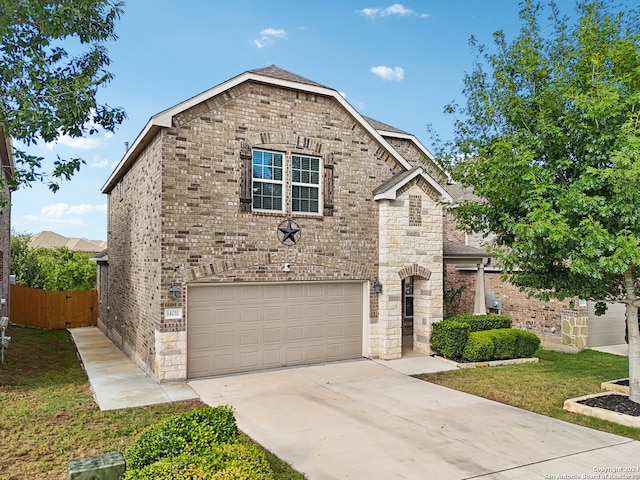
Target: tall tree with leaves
[(53, 60), (549, 140)]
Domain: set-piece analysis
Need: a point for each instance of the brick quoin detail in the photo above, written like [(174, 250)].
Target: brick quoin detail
[(414, 270)]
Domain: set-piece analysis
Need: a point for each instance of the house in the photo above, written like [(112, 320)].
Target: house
[(8, 169), (567, 325), (48, 239), (266, 223)]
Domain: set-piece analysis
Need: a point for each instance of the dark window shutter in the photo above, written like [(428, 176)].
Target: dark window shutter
[(246, 173), (328, 185)]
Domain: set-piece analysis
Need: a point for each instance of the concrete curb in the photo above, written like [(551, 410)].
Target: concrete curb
[(491, 363), (572, 405), (613, 386)]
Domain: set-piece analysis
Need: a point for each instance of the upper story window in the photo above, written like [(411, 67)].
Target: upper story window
[(305, 184), (279, 185), (268, 180)]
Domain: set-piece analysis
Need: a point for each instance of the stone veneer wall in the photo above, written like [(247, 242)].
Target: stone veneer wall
[(408, 250), (575, 328), (180, 217)]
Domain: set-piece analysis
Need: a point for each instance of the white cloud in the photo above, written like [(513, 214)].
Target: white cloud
[(98, 162), (395, 74), (82, 143), (60, 210), (267, 37), (396, 9)]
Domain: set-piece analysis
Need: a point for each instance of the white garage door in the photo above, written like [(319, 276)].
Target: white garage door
[(607, 329), (237, 328)]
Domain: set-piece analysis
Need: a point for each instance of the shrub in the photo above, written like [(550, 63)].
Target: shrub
[(193, 433), (479, 348), (448, 338), (227, 461), (479, 323), (526, 344), (500, 344)]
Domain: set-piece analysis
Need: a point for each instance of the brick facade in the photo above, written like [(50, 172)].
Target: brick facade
[(8, 167), (175, 216)]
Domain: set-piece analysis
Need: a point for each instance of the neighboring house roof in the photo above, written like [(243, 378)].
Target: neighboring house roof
[(271, 75), (461, 194), (459, 250), (48, 239), (101, 256)]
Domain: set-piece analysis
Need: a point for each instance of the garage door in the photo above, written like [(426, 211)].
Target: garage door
[(607, 329), (239, 328)]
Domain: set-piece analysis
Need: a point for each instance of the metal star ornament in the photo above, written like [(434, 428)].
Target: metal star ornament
[(287, 232)]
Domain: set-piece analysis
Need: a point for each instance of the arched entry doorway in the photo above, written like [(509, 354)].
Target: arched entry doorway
[(407, 315)]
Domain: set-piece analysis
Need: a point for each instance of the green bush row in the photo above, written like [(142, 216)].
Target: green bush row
[(224, 462), (449, 336), (198, 445), (478, 323), (499, 344)]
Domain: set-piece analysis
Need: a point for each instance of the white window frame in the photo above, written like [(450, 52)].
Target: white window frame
[(287, 183), (282, 182), (317, 186)]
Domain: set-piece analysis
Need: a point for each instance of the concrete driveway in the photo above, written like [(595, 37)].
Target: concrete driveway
[(363, 420)]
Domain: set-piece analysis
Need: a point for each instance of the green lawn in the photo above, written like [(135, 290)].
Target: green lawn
[(543, 387), (48, 415)]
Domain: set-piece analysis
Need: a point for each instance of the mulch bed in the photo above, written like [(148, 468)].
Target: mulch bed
[(624, 382), (615, 403)]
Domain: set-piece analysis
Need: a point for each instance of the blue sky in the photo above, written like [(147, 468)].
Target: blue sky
[(398, 63)]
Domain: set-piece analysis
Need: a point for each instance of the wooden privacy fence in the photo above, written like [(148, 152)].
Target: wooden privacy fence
[(55, 310)]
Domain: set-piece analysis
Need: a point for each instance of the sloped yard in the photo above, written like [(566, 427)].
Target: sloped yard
[(48, 416)]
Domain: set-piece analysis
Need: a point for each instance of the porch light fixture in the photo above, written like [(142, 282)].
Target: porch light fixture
[(377, 287), (174, 291)]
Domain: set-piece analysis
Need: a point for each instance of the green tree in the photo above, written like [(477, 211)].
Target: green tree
[(548, 139), (53, 60), (24, 265), (58, 269)]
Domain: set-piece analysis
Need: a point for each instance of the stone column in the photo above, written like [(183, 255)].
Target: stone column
[(479, 307)]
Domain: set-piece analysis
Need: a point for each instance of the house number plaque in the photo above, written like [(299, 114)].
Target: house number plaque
[(172, 313)]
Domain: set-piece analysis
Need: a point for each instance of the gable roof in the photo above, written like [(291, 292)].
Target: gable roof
[(271, 75)]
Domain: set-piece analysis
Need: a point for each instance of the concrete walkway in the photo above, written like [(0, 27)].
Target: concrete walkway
[(115, 380), (622, 350)]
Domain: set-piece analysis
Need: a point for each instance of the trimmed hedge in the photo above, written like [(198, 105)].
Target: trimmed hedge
[(478, 323), (501, 344), (193, 433), (224, 462), (449, 336)]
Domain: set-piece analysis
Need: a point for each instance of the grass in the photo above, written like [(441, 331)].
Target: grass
[(543, 387), (48, 415)]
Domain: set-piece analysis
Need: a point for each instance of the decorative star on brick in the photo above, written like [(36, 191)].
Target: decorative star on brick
[(287, 232)]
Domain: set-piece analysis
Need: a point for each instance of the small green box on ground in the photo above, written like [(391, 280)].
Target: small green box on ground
[(109, 466)]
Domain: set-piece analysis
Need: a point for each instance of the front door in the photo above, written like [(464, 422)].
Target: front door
[(407, 314)]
